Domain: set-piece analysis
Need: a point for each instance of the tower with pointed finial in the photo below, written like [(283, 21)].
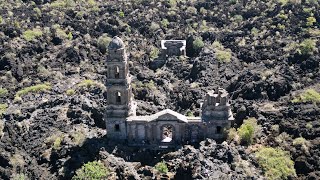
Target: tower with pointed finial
[(120, 103)]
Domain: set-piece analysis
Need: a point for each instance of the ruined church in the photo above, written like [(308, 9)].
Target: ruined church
[(166, 128)]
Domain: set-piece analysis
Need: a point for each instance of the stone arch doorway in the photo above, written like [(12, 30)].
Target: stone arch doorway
[(167, 133)]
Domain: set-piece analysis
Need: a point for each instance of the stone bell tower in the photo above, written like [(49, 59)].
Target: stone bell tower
[(216, 113), (120, 103)]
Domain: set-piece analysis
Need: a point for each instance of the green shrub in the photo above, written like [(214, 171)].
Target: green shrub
[(92, 170), (88, 83), (310, 21), (154, 26), (300, 141), (238, 18), (154, 53), (30, 35), (161, 167), (232, 135), (173, 3), (3, 109), (247, 130), (223, 56), (70, 92), (150, 85), (307, 46), (191, 10), (198, 44), (190, 114), (37, 11), (103, 42), (121, 14), (275, 163), (33, 89), (165, 23), (309, 126), (20, 177), (57, 143), (310, 95), (3, 92)]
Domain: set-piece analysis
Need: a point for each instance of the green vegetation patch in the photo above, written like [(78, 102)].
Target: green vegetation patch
[(33, 89), (307, 46), (3, 92), (247, 130), (222, 54), (161, 167), (198, 44), (88, 83), (154, 53), (30, 35), (92, 170), (103, 42), (310, 21), (3, 109), (70, 92), (310, 95), (275, 163)]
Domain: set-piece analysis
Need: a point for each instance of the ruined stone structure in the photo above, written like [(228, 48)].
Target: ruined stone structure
[(173, 47), (165, 128)]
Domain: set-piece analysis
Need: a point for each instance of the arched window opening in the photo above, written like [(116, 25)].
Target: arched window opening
[(118, 97), (219, 130), (117, 72), (167, 134)]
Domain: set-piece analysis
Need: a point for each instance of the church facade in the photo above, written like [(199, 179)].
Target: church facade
[(166, 128)]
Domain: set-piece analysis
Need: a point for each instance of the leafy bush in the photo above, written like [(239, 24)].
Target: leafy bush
[(161, 167), (198, 44), (223, 56), (311, 20), (154, 53), (57, 143), (88, 83), (310, 95), (247, 130), (20, 177), (309, 126), (165, 23), (92, 170), (70, 92), (3, 109), (300, 141), (191, 10), (3, 92), (154, 26), (121, 14), (103, 42), (233, 135), (36, 88), (307, 46), (30, 35), (1, 128), (275, 163)]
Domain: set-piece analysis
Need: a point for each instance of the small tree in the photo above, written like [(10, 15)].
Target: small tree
[(247, 130), (92, 170), (198, 44), (275, 163), (161, 167)]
